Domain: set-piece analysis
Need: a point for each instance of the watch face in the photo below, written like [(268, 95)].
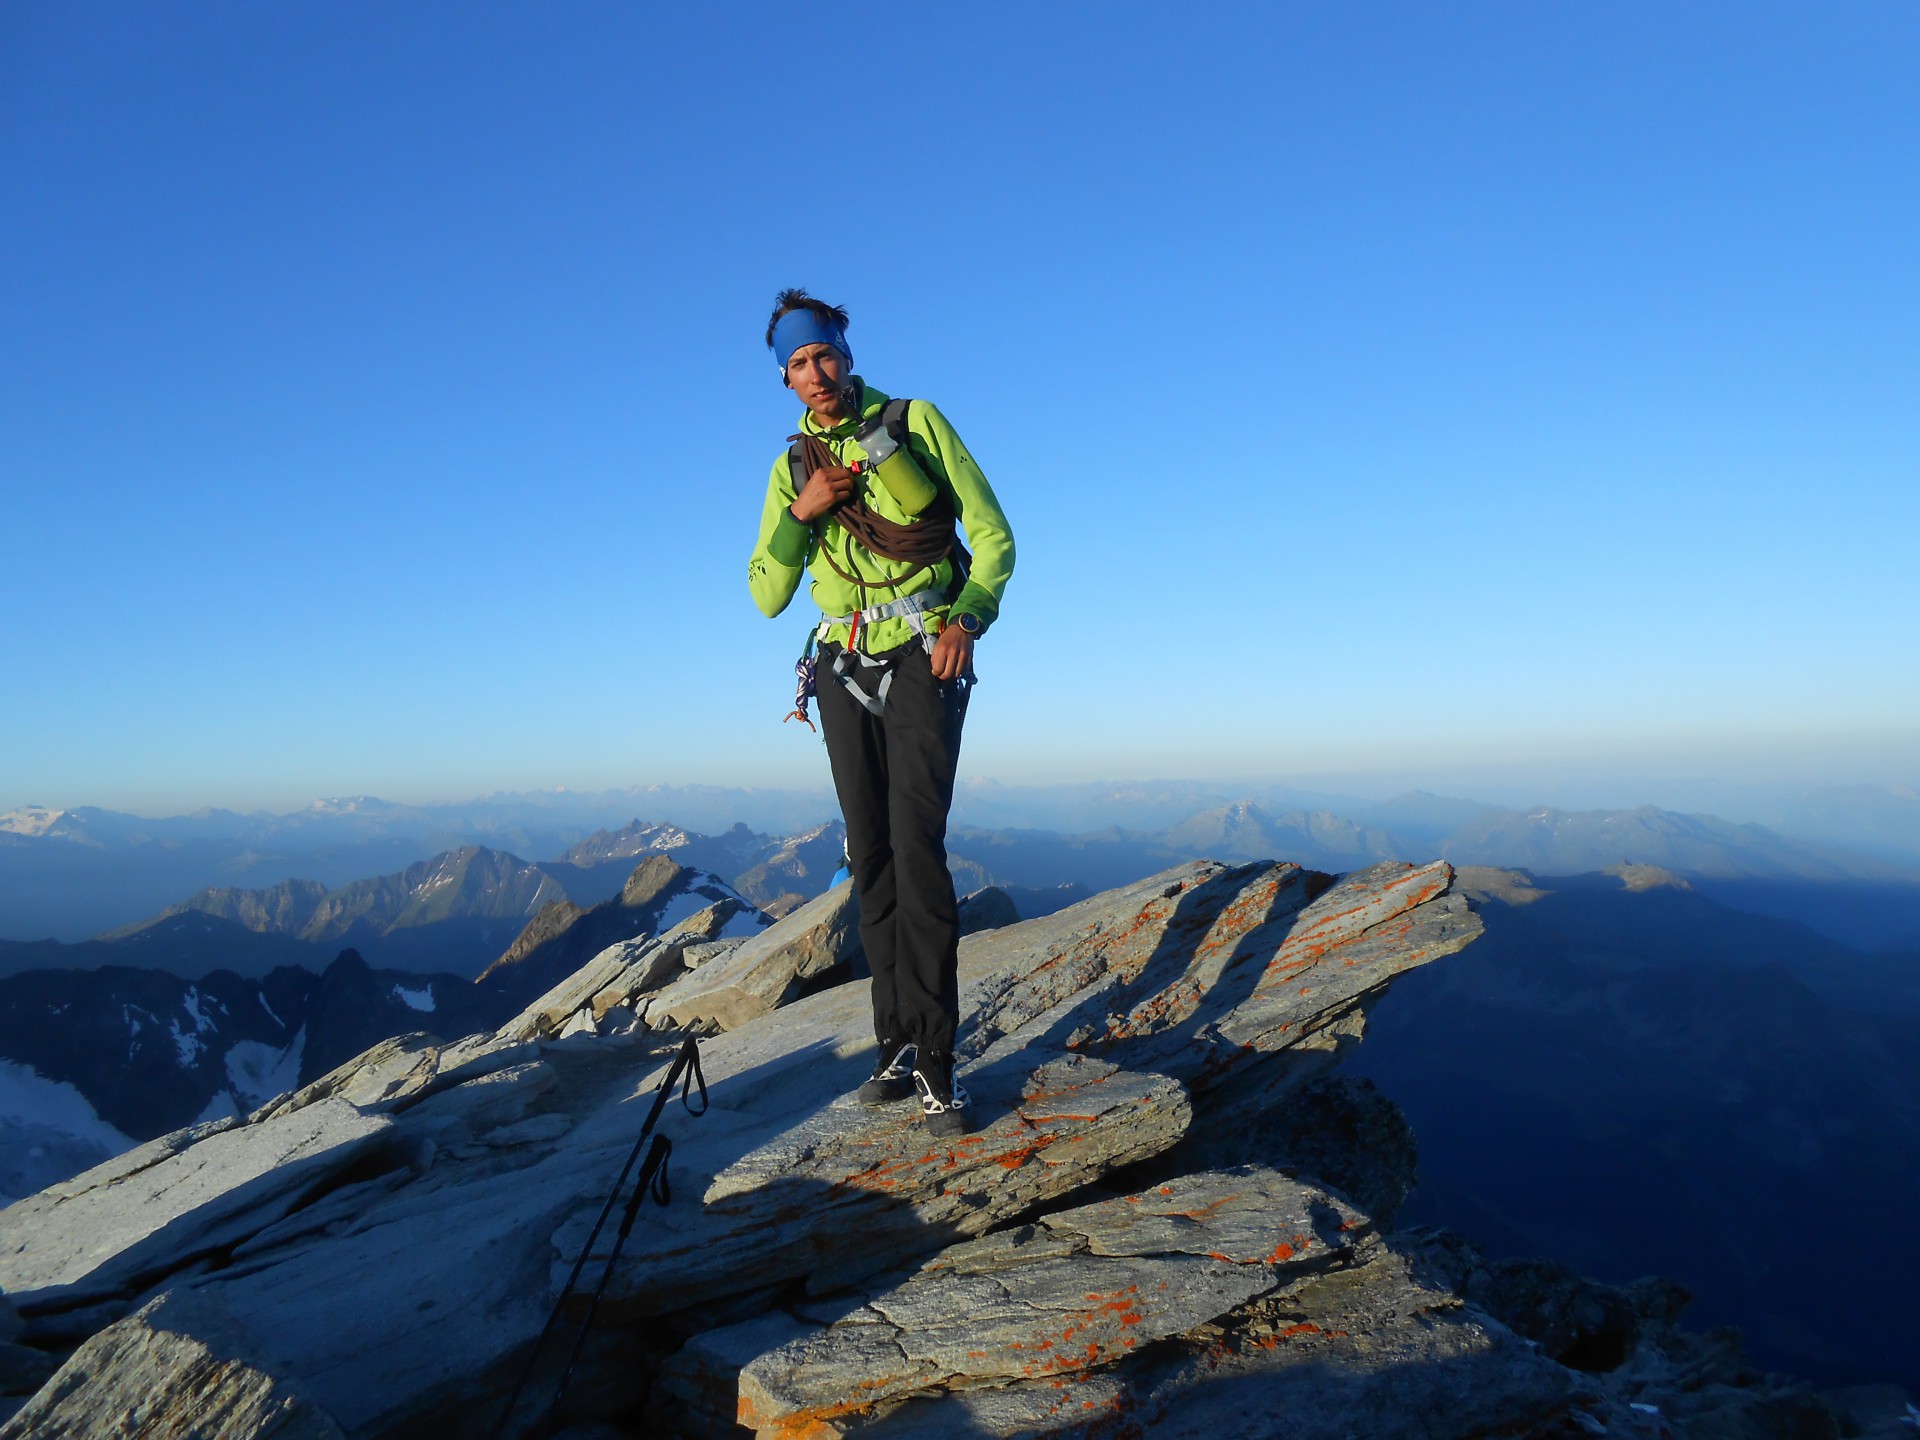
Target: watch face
[(969, 623)]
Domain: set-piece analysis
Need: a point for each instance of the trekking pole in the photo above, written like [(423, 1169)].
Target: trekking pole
[(685, 1070), (653, 1175)]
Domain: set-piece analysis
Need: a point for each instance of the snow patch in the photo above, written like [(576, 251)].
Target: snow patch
[(48, 1132), (190, 1002), (257, 1071), (678, 908), (29, 1098), (744, 923), (704, 889), (262, 996), (187, 1049), (30, 820), (421, 999)]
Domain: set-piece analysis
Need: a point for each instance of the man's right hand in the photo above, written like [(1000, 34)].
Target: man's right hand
[(826, 490)]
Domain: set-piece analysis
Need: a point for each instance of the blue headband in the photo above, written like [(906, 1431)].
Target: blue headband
[(798, 328)]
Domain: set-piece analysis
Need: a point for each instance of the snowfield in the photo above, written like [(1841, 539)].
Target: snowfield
[(48, 1132), (257, 1072), (421, 999)]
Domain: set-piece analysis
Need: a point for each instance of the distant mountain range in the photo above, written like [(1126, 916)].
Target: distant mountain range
[(457, 909), (85, 872), (94, 1059), (448, 909)]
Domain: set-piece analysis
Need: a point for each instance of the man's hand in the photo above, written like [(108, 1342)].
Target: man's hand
[(825, 490), (952, 654)]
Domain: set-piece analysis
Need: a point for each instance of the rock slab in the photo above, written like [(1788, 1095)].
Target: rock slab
[(178, 1367), (110, 1230), (1078, 1290)]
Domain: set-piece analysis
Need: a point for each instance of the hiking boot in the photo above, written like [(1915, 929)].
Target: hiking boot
[(892, 1077), (943, 1100)]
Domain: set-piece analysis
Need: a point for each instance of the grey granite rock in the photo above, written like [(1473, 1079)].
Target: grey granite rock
[(403, 1071), (619, 974), (1080, 1289), (850, 1190), (534, 1130), (339, 1207), (1367, 1352), (100, 1238), (621, 968), (695, 936), (698, 1389), (141, 1157), (179, 1367), (500, 1097), (1361, 1354), (63, 1329), (767, 970), (697, 955), (1639, 1371)]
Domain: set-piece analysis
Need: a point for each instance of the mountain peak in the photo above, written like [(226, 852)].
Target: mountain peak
[(30, 820), (1647, 877), (649, 880)]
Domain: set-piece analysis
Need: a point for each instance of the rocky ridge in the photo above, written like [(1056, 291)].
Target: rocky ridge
[(562, 936), (375, 1254)]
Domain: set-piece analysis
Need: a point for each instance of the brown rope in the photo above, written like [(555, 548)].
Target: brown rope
[(931, 538)]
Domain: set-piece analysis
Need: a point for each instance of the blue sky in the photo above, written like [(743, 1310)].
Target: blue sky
[(1412, 390)]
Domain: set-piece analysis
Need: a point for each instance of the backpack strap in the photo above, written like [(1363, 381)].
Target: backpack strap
[(894, 416)]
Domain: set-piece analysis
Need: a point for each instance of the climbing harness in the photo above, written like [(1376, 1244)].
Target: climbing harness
[(933, 536), (910, 608), (652, 1180)]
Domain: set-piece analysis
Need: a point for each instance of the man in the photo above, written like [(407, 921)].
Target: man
[(903, 606)]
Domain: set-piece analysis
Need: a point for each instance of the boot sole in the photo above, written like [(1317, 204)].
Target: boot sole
[(948, 1124), (885, 1092)]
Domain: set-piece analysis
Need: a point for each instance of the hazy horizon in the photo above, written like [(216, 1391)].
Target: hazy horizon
[(1742, 793)]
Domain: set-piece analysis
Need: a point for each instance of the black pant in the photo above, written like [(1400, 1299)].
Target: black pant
[(894, 774)]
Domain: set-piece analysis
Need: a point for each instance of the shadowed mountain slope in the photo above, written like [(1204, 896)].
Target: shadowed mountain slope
[(1631, 1077), (189, 943)]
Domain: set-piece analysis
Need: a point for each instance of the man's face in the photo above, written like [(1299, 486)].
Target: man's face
[(816, 373)]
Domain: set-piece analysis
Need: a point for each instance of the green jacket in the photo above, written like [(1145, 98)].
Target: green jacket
[(788, 547)]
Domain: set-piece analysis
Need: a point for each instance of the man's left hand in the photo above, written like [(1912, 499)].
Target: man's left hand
[(952, 653)]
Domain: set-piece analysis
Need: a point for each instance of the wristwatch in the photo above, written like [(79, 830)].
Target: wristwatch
[(968, 623)]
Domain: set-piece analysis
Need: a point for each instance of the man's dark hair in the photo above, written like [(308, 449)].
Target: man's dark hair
[(798, 299)]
